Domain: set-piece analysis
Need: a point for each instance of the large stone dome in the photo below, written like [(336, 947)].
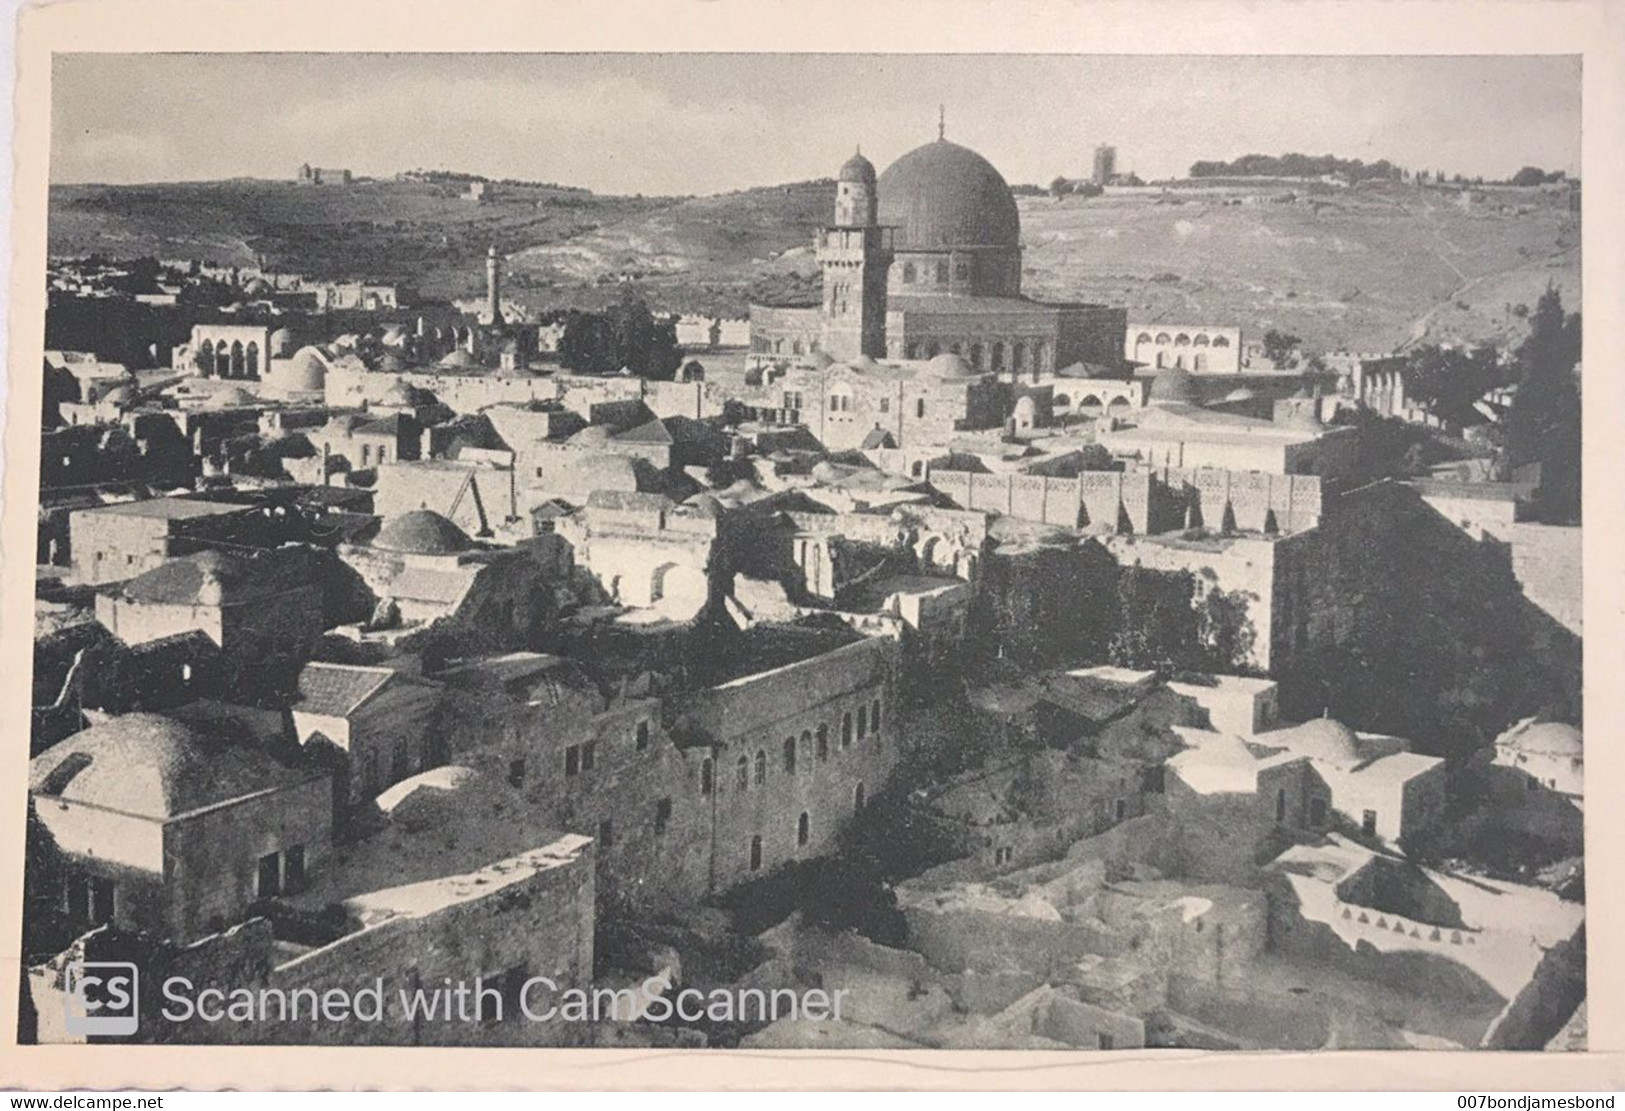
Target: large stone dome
[(945, 195), (422, 532)]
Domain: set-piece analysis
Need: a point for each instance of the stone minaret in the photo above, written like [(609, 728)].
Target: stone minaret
[(855, 254), (493, 286)]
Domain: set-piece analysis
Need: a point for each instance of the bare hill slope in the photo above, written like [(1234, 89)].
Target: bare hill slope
[(1366, 268)]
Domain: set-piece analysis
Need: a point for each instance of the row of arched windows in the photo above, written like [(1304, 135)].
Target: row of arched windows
[(995, 356), (752, 771), (1182, 339), (229, 361)]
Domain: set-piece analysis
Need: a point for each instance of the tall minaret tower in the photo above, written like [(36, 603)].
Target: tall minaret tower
[(855, 254), (493, 287)]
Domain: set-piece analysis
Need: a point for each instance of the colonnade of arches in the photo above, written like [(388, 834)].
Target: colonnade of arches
[(233, 360)]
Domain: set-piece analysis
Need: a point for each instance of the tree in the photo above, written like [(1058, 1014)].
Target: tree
[(1529, 175), (1280, 346), (1543, 425), (1449, 381), (1059, 187)]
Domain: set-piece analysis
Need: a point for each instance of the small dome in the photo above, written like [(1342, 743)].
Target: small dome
[(259, 287), (151, 766), (826, 472), (594, 435), (122, 395), (281, 343), (232, 397), (208, 578), (1173, 387), (705, 504), (306, 372), (401, 394), (421, 532), (949, 367), (457, 358), (392, 363), (435, 797), (820, 359), (1243, 394), (858, 169), (1324, 739), (1549, 738)]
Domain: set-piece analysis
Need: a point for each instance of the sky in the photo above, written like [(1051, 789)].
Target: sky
[(710, 123)]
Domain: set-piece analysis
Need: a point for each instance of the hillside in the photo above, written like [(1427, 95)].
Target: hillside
[(1365, 268)]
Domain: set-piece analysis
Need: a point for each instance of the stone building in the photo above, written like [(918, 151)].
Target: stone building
[(1200, 349), (110, 543), (382, 720), (790, 754), (925, 259), (1549, 754), (176, 828)]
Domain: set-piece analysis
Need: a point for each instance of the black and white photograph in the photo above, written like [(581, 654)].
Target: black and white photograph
[(833, 551)]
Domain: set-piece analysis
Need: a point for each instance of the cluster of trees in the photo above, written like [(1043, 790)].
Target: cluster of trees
[(1534, 175), (1066, 187), (626, 336), (1167, 622), (1299, 165)]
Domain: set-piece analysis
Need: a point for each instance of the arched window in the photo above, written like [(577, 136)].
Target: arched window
[(914, 351), (1280, 805), (803, 829), (1062, 401), (1182, 340), (707, 776), (237, 370), (756, 853), (796, 348), (742, 773), (251, 358), (846, 729), (823, 741), (918, 469), (1199, 361), (222, 361), (1201, 339), (789, 756), (1220, 341), (863, 722), (998, 356), (874, 715), (857, 798), (919, 408), (942, 272), (976, 356), (1018, 356), (1143, 337), (1164, 338), (761, 767), (908, 272)]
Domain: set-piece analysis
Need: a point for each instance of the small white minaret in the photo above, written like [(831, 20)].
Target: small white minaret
[(493, 287)]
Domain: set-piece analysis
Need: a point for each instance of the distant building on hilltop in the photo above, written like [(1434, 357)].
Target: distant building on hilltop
[(1105, 164), (316, 175)]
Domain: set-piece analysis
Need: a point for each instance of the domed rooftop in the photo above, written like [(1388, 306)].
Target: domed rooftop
[(859, 169), (123, 395), (1549, 738), (392, 363), (231, 397), (259, 287), (152, 766), (1173, 386), (705, 504), (421, 532), (401, 394), (594, 435), (949, 367), (208, 578), (433, 797), (306, 372), (1324, 739), (281, 343), (457, 358), (946, 195)]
